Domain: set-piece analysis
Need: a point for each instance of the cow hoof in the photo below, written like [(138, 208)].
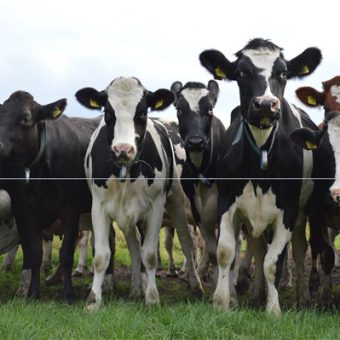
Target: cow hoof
[(53, 280), (45, 268), (77, 274), (92, 305), (274, 309), (220, 303), (172, 273), (69, 299), (151, 297)]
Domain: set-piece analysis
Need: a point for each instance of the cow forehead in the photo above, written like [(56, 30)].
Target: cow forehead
[(263, 58), (193, 97), (124, 94), (335, 92)]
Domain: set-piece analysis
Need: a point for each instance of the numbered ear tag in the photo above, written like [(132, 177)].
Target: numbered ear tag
[(264, 160), (122, 173), (27, 175)]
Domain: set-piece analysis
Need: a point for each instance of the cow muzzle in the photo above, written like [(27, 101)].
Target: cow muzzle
[(195, 143), (124, 152), (335, 193), (264, 111)]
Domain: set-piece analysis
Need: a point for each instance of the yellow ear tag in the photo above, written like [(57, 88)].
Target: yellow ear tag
[(311, 145), (220, 73), (56, 112), (93, 103), (266, 121), (159, 103), (304, 70), (311, 100)]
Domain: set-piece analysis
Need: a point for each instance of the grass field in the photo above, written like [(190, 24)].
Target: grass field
[(179, 316)]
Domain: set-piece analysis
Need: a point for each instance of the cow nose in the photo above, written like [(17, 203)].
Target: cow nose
[(266, 104), (124, 152), (336, 195), (196, 143)]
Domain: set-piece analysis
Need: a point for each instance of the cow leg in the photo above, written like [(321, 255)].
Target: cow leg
[(281, 237), (108, 278), (333, 233), (134, 245), (259, 249), (9, 259), (47, 254), (225, 257), (175, 207), (66, 254), (36, 251), (320, 244), (208, 233), (287, 276), (149, 250), (101, 231), (237, 259), (83, 252), (169, 244), (299, 246), (244, 271)]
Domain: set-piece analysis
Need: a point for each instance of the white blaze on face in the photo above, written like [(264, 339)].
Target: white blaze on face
[(264, 59), (335, 92), (124, 94), (193, 97), (334, 139)]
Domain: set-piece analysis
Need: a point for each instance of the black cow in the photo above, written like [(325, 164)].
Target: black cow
[(258, 155), (41, 162), (202, 133), (132, 176)]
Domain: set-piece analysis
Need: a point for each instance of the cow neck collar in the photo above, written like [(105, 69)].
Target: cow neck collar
[(262, 151), (42, 145), (125, 169), (201, 173)]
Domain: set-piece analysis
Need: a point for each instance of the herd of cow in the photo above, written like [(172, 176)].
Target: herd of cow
[(264, 176)]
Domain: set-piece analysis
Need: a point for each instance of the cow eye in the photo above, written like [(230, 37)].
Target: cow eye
[(179, 113), (210, 111)]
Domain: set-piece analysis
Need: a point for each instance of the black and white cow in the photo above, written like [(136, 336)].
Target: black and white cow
[(132, 176), (202, 133), (38, 151), (256, 158), (324, 204)]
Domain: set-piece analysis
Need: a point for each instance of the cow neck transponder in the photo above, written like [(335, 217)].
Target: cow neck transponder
[(39, 154), (201, 174), (261, 152)]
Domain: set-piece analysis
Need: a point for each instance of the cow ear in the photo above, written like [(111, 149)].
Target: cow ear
[(214, 89), (310, 96), (91, 98), (176, 88), (306, 138), (218, 65), (160, 99), (52, 111), (305, 63)]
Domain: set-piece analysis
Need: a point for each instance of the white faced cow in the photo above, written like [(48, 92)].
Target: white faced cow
[(258, 155), (132, 176)]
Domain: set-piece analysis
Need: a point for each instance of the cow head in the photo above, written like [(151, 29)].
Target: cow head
[(261, 72), (329, 98), (20, 115), (194, 104), (126, 103)]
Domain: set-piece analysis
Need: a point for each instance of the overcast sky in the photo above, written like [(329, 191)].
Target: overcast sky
[(53, 48)]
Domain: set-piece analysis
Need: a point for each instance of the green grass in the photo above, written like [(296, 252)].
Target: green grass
[(179, 316)]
